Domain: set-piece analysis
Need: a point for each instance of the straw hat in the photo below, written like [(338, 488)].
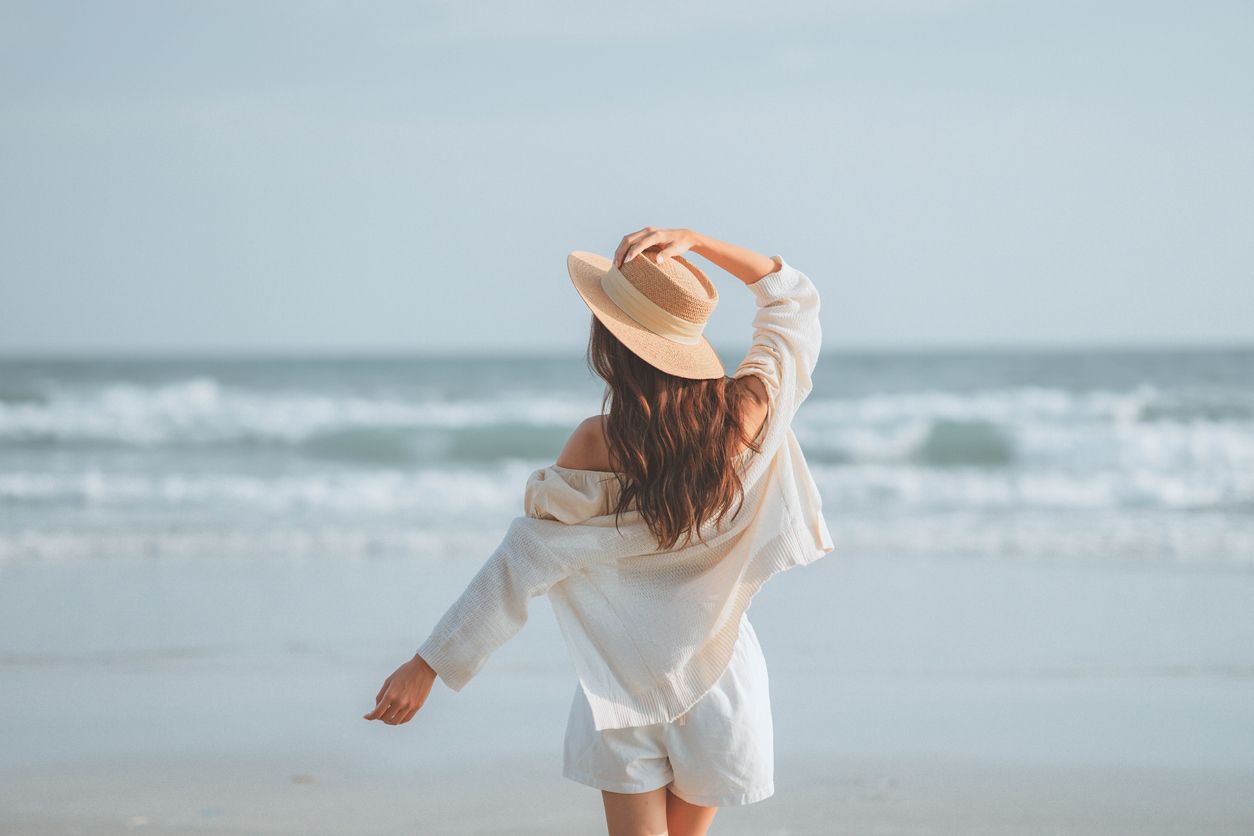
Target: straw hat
[(656, 310)]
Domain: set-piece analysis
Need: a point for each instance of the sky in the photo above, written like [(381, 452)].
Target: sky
[(180, 177)]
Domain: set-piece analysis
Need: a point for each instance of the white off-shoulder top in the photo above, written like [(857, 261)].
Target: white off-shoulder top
[(649, 632)]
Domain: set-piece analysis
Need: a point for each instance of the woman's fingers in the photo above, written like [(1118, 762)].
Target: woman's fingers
[(403, 693), (670, 251), (641, 244), (627, 242), (658, 244), (385, 704), (394, 713), (396, 710)]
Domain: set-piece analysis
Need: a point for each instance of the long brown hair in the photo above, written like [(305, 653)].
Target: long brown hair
[(673, 441)]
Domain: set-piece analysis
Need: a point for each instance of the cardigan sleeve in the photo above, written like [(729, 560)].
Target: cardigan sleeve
[(787, 337), (567, 494), (493, 606)]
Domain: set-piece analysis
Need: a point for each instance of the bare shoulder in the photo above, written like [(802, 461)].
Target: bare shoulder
[(586, 448)]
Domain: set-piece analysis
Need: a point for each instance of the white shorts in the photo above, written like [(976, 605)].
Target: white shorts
[(720, 753)]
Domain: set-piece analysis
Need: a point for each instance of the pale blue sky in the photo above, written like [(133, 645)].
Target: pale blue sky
[(396, 176)]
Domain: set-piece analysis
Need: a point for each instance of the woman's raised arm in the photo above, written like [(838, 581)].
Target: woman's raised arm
[(741, 262), (787, 336)]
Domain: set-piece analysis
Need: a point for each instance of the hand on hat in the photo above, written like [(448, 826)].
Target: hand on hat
[(656, 244)]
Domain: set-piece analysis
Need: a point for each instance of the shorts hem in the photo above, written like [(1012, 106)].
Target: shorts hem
[(759, 793), (614, 786)]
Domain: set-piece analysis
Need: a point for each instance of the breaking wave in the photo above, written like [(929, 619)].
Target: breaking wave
[(295, 463), (984, 428)]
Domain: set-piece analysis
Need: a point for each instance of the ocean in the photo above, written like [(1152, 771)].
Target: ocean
[(1121, 455)]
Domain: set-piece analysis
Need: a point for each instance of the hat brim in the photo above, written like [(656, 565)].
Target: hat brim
[(698, 361)]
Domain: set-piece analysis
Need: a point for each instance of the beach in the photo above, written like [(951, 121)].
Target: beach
[(1037, 619), (929, 697), (287, 326)]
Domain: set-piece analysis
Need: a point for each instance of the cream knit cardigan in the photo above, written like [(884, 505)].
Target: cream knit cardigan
[(649, 632)]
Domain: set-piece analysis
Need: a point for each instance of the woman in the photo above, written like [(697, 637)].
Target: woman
[(651, 533)]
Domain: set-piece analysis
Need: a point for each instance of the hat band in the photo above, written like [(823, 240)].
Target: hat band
[(647, 312)]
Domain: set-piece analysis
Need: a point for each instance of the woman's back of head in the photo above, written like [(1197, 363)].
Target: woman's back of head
[(673, 442)]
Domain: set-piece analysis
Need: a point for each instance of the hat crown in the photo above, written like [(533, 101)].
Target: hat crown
[(676, 285)]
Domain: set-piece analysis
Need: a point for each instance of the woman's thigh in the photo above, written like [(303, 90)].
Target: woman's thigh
[(635, 813), (686, 819)]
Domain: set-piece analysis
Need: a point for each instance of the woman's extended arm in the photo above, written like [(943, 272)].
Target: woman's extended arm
[(491, 609)]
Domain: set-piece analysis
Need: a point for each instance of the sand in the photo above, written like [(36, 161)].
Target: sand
[(308, 795), (921, 696)]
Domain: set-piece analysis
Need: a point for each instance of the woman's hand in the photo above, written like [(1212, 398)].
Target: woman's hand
[(741, 262), (658, 243), (403, 693)]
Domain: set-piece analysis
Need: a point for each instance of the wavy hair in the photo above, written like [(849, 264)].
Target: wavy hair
[(674, 441)]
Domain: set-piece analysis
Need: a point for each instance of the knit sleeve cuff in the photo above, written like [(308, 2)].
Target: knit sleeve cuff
[(433, 653), (781, 282)]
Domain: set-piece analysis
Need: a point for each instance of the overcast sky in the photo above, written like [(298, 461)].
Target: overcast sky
[(321, 176)]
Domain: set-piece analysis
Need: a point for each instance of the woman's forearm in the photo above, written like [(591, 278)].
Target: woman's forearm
[(743, 263)]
